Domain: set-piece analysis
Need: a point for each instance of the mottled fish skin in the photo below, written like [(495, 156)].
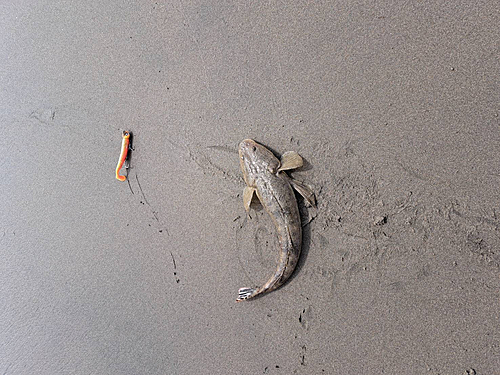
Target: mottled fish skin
[(260, 171)]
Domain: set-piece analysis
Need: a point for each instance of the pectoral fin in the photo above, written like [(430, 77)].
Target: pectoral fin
[(247, 197), (304, 190), (290, 160)]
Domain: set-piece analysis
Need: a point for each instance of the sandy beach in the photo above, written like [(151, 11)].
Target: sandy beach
[(395, 110)]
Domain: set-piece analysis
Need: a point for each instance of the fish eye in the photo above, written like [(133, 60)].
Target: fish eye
[(254, 148)]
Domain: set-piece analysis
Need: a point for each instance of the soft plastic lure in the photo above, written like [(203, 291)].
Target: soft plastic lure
[(123, 155)]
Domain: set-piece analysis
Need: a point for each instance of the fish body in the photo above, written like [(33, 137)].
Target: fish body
[(265, 176)]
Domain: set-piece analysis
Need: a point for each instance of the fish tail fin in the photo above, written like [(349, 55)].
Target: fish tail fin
[(245, 293)]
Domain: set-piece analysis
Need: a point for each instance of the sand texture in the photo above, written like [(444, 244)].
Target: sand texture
[(394, 107)]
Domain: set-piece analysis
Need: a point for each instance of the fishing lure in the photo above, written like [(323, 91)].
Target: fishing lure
[(123, 155)]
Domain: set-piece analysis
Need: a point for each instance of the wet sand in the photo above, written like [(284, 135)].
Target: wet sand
[(395, 109)]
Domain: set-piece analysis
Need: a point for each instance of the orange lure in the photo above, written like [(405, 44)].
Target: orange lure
[(123, 155)]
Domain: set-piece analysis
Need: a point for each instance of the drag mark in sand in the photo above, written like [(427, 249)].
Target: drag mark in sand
[(129, 186), (204, 162), (145, 201), (305, 317), (303, 358), (142, 192), (177, 280), (224, 148)]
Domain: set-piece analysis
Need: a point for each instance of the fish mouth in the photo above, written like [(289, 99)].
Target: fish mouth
[(247, 143), (246, 146), (245, 151)]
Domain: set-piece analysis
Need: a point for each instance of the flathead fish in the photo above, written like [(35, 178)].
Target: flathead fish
[(265, 176)]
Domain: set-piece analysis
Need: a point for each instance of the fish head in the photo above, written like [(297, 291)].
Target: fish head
[(255, 159), (126, 134)]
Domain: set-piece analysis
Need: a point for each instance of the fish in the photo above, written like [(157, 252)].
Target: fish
[(265, 177), (123, 154)]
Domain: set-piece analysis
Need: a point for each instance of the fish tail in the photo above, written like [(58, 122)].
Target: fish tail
[(245, 293)]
